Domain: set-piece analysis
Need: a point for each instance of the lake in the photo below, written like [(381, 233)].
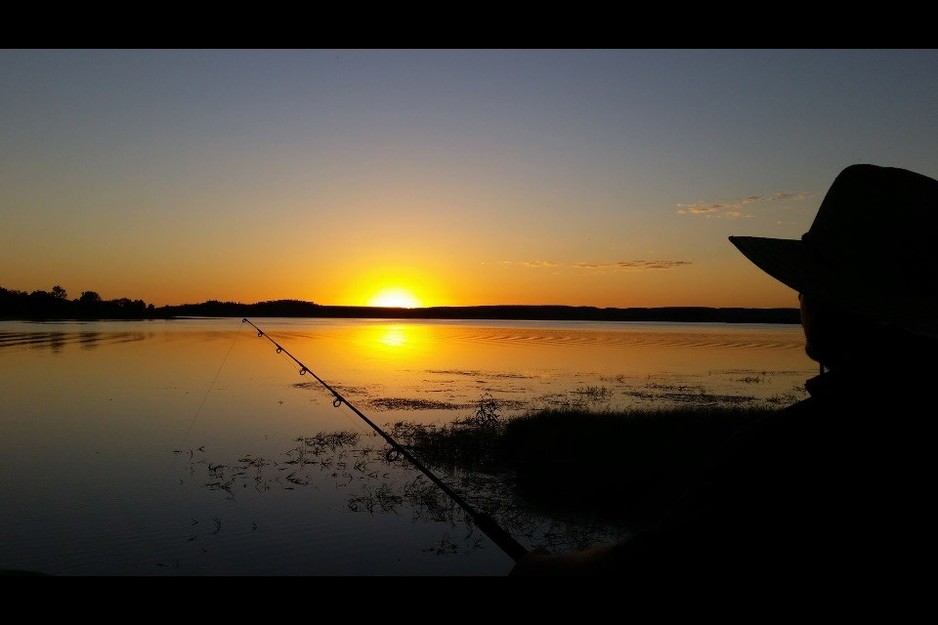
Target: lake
[(192, 447)]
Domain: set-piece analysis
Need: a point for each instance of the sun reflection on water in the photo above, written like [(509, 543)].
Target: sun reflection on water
[(394, 337), (393, 341)]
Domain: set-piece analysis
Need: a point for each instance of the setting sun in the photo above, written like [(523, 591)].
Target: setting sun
[(394, 297)]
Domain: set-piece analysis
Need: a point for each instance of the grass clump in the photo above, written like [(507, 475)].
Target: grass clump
[(468, 444), (627, 466)]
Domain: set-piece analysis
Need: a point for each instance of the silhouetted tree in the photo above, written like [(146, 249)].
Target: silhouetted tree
[(13, 303)]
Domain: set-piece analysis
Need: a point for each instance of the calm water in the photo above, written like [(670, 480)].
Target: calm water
[(171, 447)]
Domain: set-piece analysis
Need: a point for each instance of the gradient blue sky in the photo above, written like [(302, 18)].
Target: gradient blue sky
[(583, 177)]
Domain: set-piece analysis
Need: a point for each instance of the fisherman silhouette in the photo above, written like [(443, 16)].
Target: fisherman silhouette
[(831, 489)]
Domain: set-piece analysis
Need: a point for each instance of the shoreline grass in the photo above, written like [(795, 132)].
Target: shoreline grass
[(564, 478), (622, 466)]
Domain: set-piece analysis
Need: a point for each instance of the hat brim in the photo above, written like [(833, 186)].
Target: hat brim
[(786, 260), (791, 262)]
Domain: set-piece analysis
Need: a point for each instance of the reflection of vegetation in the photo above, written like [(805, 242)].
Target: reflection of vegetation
[(694, 395), (594, 393), (478, 374), (403, 403)]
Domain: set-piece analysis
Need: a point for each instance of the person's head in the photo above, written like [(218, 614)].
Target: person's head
[(839, 339), (867, 270)]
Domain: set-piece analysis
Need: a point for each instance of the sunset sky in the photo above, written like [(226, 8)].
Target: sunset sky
[(456, 177)]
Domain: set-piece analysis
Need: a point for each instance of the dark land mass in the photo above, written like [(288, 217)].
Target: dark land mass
[(48, 305), (289, 308)]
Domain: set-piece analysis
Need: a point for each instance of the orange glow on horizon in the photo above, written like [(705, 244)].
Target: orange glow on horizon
[(394, 297)]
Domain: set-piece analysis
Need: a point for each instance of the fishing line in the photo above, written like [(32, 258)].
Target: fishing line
[(198, 410), (215, 379), (484, 522)]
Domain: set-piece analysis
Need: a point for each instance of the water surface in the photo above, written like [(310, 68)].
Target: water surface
[(170, 447)]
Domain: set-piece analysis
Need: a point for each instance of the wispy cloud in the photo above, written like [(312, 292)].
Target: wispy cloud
[(733, 208), (622, 265), (635, 265)]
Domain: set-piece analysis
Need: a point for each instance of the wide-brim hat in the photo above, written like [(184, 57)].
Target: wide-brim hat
[(872, 249)]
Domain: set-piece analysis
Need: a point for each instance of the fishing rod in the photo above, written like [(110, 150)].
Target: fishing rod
[(483, 521)]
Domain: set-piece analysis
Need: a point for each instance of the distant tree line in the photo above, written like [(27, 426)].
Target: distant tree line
[(296, 308), (214, 308), (54, 304)]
